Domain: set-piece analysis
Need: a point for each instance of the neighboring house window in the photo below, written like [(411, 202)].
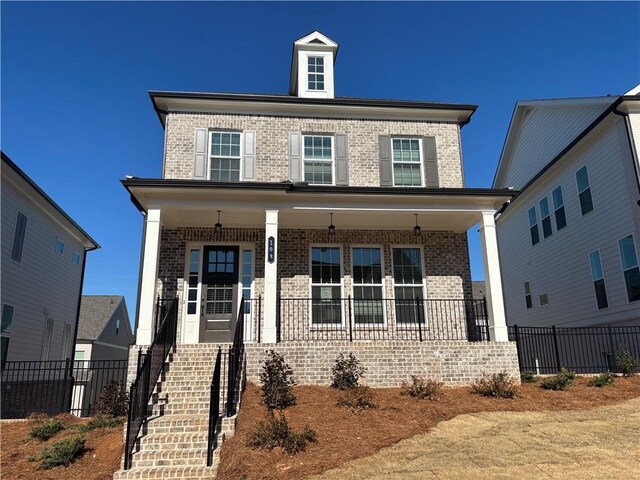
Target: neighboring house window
[(192, 286), (225, 156), (630, 267), (18, 237), (78, 359), (66, 334), (59, 246), (546, 218), (318, 159), (544, 299), (7, 320), (46, 340), (407, 162), (367, 285), (533, 226), (597, 276), (408, 285), (315, 70), (117, 326), (584, 190), (75, 258), (558, 207), (326, 286), (527, 295)]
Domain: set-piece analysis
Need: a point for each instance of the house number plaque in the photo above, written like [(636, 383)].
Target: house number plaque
[(271, 249)]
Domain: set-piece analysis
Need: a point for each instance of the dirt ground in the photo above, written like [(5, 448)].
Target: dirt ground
[(99, 461), (601, 443), (344, 436)]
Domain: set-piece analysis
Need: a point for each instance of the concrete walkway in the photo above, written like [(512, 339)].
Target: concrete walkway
[(602, 443)]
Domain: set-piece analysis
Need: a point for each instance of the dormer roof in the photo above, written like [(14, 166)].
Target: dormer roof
[(314, 42)]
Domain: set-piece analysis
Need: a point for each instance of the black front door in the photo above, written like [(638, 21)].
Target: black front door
[(219, 309)]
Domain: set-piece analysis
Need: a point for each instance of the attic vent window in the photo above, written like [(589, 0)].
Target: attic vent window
[(315, 70)]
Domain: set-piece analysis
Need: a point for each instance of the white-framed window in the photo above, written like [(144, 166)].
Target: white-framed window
[(7, 321), (631, 271), (75, 258), (225, 156), (558, 208), (407, 162), (192, 281), (117, 326), (59, 247), (326, 285), (315, 73), (18, 237), (78, 359), (527, 295), (66, 337), (368, 289), (597, 275), (533, 226), (545, 215), (46, 339), (408, 285), (584, 190), (544, 299), (318, 159)]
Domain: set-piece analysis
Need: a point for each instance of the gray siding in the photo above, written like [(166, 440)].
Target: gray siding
[(44, 283), (124, 337), (559, 265)]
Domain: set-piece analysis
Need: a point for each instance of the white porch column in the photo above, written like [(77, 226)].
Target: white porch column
[(270, 277), (147, 300), (493, 279)]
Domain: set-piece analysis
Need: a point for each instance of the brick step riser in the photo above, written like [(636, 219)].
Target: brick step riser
[(167, 473)]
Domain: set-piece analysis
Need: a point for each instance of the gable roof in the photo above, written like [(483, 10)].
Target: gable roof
[(95, 313)]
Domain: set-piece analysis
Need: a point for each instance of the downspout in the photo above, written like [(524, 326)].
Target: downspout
[(632, 147)]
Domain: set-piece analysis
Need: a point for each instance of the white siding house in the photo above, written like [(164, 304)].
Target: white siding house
[(570, 240), (43, 257)]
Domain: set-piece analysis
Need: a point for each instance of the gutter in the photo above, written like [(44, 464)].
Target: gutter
[(632, 147)]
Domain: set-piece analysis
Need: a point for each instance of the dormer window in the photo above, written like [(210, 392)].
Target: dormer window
[(315, 69)]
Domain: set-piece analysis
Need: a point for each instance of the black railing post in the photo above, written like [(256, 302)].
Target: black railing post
[(278, 318), (557, 348), (418, 317), (611, 358), (485, 316), (130, 413), (518, 347), (214, 409), (259, 316), (349, 319)]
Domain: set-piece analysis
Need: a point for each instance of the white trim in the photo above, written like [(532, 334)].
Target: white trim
[(624, 281), (421, 163), (311, 285), (602, 278), (382, 284), (424, 282)]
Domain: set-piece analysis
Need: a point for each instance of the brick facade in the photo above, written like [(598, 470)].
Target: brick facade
[(272, 137)]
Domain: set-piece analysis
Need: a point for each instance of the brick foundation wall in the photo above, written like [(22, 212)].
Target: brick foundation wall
[(389, 363)]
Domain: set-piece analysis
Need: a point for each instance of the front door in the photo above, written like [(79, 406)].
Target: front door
[(219, 309)]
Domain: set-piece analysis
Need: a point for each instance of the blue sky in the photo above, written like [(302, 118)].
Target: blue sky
[(76, 116)]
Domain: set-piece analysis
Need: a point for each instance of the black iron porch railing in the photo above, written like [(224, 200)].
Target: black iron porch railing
[(214, 408), (150, 365), (236, 356), (353, 319), (252, 308)]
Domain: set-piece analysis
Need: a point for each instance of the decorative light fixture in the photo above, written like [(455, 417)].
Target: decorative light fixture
[(217, 228), (332, 227), (417, 231)]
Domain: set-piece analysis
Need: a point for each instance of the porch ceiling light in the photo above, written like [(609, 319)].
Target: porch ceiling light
[(217, 228), (332, 227), (417, 231)]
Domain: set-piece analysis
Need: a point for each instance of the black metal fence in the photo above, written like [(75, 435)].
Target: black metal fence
[(355, 319), (57, 386), (150, 366), (582, 349)]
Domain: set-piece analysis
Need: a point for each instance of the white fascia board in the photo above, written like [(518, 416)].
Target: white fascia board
[(315, 35)]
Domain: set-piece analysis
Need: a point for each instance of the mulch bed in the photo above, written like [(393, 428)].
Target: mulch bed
[(99, 461), (344, 436)]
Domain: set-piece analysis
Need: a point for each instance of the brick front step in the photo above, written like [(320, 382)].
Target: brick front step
[(168, 473)]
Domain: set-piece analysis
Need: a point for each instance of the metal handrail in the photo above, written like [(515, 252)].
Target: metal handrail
[(214, 409)]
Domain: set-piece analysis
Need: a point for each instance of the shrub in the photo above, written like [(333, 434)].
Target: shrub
[(420, 388), (496, 385), (561, 381), (528, 377), (275, 432), (114, 399), (63, 452), (101, 421), (601, 380), (277, 382), (356, 399), (626, 364), (46, 430), (346, 372), (37, 416)]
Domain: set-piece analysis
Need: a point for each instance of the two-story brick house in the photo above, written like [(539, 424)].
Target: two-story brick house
[(341, 221)]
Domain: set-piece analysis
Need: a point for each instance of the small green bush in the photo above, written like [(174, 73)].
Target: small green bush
[(114, 399), (602, 380), (276, 432), (46, 430), (356, 399), (496, 385), (101, 421), (277, 382), (561, 381), (346, 372), (422, 388), (528, 377), (626, 364), (63, 452)]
